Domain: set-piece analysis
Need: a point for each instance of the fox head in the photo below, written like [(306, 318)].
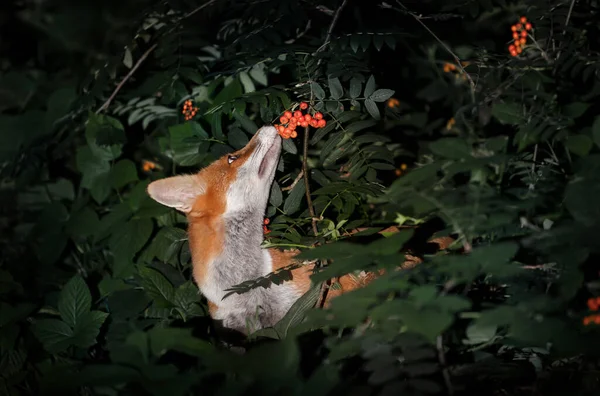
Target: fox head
[(235, 183)]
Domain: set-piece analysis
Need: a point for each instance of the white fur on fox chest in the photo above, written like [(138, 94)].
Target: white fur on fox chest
[(240, 261)]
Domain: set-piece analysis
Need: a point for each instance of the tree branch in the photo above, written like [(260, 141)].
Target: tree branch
[(311, 208), (145, 55), (296, 180)]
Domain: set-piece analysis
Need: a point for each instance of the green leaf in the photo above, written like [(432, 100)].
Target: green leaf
[(237, 139), (579, 144), (478, 333), (289, 146), (74, 301), (83, 223), (90, 166), (54, 334), (576, 109), (186, 141), (167, 243), (508, 113), (297, 311), (355, 87), (370, 87), (157, 287), (453, 148), (596, 131), (335, 87), (122, 173), (292, 202), (128, 239), (381, 95), (317, 90), (105, 136), (372, 109), (87, 328), (276, 196)]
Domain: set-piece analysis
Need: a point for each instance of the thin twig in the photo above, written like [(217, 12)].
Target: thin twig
[(296, 180), (127, 77), (456, 58), (145, 55), (311, 208), (566, 23), (442, 359), (336, 16)]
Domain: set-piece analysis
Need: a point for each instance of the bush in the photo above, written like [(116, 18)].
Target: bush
[(436, 122)]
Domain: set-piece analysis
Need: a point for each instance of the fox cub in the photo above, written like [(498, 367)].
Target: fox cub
[(225, 205)]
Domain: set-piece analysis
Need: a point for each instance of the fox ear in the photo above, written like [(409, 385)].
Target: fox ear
[(177, 192)]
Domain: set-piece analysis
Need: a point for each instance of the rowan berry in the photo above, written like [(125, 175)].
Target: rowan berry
[(294, 134), (513, 28), (288, 114), (266, 221), (284, 120), (523, 19), (523, 33), (287, 131), (321, 123), (304, 124), (297, 114), (515, 35), (307, 117), (303, 105), (319, 115), (314, 123), (528, 26), (522, 41)]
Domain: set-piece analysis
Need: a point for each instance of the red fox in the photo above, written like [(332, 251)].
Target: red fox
[(225, 205)]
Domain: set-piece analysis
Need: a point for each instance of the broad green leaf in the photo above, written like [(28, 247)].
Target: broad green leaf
[(381, 95), (237, 139), (128, 239), (479, 333), (508, 113), (370, 87), (355, 88), (105, 136), (372, 109), (122, 173), (181, 340), (87, 328), (90, 166), (576, 109), (579, 144), (187, 142), (276, 196), (453, 148), (335, 87), (158, 287), (317, 90), (54, 334), (596, 131), (289, 146), (74, 301), (292, 202), (297, 311)]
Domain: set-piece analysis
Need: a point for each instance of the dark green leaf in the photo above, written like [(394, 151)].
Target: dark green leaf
[(381, 95), (335, 87), (74, 301), (292, 202), (372, 109)]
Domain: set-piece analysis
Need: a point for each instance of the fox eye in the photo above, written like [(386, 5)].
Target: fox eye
[(231, 158)]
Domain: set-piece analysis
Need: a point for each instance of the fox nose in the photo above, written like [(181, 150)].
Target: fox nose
[(267, 132)]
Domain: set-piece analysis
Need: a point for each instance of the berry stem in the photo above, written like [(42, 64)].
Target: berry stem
[(311, 208)]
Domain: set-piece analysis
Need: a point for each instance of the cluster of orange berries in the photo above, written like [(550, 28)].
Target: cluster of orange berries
[(289, 121), (398, 171), (148, 166), (519, 32), (593, 305), (188, 111), (265, 223)]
